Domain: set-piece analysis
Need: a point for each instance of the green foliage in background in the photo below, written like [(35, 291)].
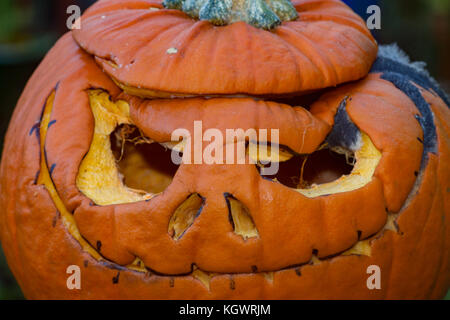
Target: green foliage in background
[(13, 20), (9, 290), (439, 5), (8, 18)]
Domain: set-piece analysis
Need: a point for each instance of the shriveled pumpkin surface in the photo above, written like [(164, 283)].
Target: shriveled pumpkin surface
[(152, 52), (304, 248)]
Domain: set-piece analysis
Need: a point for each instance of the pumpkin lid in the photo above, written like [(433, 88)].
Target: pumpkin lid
[(153, 51)]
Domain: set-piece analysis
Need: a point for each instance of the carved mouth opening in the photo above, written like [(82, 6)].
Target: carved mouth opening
[(143, 164)]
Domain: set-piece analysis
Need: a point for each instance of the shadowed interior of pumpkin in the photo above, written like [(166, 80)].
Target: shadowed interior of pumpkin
[(147, 166), (303, 171), (143, 164), (326, 171)]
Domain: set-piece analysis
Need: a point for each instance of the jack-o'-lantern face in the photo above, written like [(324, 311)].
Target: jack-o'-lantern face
[(356, 164)]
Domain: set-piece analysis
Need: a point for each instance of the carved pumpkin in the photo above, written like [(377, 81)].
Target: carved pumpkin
[(87, 177)]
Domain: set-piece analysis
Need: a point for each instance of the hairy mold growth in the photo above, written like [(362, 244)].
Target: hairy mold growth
[(397, 68), (345, 135)]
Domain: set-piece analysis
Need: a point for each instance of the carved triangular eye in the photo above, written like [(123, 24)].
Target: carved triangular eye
[(346, 161), (185, 215), (240, 218), (122, 165), (303, 171)]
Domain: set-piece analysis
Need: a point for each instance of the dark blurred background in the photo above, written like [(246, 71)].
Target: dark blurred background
[(29, 28)]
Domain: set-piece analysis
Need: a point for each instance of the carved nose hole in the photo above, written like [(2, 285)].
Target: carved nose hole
[(185, 215), (240, 218)]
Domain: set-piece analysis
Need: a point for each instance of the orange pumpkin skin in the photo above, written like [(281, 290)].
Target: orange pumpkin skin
[(414, 261), (172, 54), (401, 215)]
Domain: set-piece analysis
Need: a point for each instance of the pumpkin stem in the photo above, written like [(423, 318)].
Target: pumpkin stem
[(173, 4), (264, 14)]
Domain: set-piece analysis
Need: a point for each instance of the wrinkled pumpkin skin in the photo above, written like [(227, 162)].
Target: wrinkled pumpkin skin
[(411, 184), (172, 54)]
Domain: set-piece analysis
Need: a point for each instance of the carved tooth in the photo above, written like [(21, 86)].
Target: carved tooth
[(268, 276), (203, 277), (361, 248), (137, 265), (391, 223), (315, 260)]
